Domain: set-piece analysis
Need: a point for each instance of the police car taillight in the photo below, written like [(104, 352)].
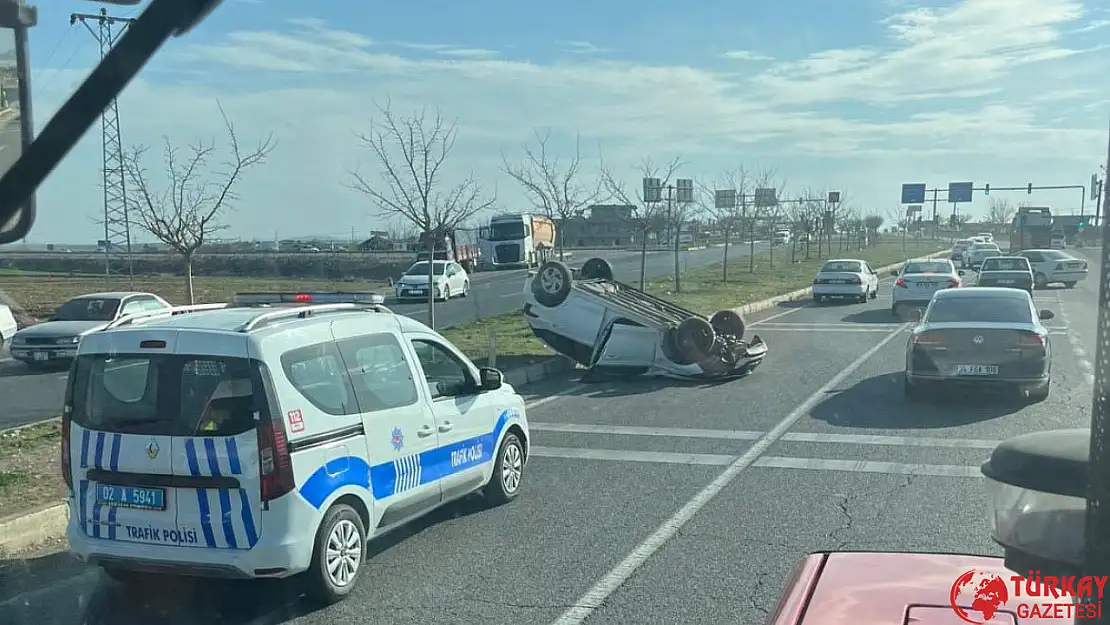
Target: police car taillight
[(275, 467), (67, 474), (302, 297)]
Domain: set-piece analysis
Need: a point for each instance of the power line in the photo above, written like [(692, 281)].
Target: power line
[(117, 221)]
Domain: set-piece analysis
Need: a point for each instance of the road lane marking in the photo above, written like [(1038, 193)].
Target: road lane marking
[(595, 597), (744, 435), (1081, 359), (624, 455), (868, 466)]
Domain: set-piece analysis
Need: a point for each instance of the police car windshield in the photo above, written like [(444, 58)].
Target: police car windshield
[(984, 309), (87, 309), (165, 394), (421, 268)]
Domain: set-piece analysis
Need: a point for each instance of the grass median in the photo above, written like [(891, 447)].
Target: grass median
[(29, 468), (37, 296)]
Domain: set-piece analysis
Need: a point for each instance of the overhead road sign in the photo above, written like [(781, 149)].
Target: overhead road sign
[(766, 197), (834, 197), (913, 193), (684, 190), (724, 198), (959, 191)]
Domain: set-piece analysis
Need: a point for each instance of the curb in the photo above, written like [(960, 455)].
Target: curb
[(20, 531), (807, 292)]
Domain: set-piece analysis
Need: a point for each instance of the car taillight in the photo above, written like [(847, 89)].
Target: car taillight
[(953, 283), (275, 466), (927, 339), (857, 280), (66, 466), (901, 283), (1031, 339)]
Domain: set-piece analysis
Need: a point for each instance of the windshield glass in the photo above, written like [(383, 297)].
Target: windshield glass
[(507, 231), (165, 395), (983, 309), (1055, 255), (1005, 264), (937, 267), (979, 247), (87, 309), (846, 266), (421, 268)]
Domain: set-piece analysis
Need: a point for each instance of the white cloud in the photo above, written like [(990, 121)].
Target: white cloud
[(745, 55), (977, 91)]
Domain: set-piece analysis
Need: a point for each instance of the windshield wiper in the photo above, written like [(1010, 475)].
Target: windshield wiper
[(160, 21)]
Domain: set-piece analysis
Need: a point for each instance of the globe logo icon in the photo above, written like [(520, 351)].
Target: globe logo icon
[(987, 593)]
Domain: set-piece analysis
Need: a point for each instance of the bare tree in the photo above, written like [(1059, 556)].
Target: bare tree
[(649, 215), (727, 218), (768, 217), (554, 187), (410, 154), (189, 210), (999, 213)]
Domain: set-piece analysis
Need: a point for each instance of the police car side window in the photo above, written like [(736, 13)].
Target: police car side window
[(317, 372), (380, 373), (445, 375)]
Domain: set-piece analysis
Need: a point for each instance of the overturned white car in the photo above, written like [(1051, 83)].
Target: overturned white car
[(613, 328)]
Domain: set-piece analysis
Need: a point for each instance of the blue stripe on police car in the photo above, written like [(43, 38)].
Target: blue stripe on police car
[(389, 478)]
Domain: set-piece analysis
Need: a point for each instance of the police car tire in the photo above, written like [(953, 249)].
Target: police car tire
[(495, 492), (319, 587)]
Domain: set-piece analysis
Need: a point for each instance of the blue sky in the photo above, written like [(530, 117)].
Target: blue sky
[(858, 97)]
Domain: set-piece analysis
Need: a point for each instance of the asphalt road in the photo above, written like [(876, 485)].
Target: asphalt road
[(33, 396), (655, 502)]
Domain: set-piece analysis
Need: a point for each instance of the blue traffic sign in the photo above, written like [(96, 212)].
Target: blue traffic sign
[(913, 194), (959, 192)]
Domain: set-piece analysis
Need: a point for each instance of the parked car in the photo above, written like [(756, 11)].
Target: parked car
[(845, 278), (610, 327), (55, 340), (1007, 271)]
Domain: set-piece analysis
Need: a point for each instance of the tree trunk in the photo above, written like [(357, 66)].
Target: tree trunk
[(643, 259), (431, 280), (724, 266), (677, 257), (189, 278)]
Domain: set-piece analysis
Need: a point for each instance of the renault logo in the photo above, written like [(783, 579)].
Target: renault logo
[(152, 450), (978, 340)]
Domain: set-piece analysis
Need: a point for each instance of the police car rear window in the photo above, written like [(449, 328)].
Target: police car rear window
[(166, 395)]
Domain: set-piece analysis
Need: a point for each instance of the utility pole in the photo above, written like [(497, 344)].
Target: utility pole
[(117, 221)]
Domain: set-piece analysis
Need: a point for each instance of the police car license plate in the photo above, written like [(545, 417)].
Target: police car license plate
[(42, 356), (131, 497), (976, 369)]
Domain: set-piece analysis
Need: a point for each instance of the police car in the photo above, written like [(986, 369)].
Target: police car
[(274, 436)]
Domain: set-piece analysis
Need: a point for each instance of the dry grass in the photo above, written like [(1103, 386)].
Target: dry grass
[(38, 296), (29, 468)]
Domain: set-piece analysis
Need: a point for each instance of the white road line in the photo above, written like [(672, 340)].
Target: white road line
[(624, 455), (781, 314), (744, 435), (614, 579), (1076, 344), (868, 466), (785, 327)]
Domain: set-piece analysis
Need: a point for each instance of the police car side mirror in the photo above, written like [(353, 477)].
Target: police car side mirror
[(491, 379)]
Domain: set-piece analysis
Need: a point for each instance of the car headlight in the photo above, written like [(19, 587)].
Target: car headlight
[(69, 340)]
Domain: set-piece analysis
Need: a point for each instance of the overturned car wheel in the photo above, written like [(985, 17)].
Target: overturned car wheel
[(728, 322), (552, 283), (691, 341), (596, 269)]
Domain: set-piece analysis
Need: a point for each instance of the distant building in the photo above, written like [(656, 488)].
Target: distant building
[(606, 225)]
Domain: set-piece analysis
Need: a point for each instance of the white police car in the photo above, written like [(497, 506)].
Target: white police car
[(275, 436)]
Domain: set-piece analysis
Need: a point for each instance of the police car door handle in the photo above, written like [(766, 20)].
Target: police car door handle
[(446, 426), (425, 431)]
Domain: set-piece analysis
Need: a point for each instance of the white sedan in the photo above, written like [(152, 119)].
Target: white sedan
[(451, 280), (8, 325), (845, 278), (1055, 266)]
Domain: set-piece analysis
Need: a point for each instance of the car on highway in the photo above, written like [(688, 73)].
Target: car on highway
[(986, 237), (975, 254), (1006, 271), (1055, 267), (451, 280), (918, 279), (609, 327), (956, 255), (8, 325), (55, 341), (274, 436), (845, 278), (1058, 241), (988, 336)]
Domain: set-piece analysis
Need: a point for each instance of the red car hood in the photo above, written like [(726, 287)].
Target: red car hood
[(871, 588)]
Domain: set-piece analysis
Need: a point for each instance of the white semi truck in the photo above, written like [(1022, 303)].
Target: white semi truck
[(519, 240)]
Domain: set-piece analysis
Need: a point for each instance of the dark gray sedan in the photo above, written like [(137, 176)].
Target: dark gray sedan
[(986, 336), (1012, 272)]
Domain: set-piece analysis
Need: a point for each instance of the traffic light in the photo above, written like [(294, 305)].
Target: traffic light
[(986, 189), (1029, 189), (1081, 225)]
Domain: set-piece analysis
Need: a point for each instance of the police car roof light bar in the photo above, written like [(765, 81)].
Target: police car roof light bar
[(307, 297), (303, 312), (172, 311)]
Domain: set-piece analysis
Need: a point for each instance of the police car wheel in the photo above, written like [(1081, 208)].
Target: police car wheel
[(508, 472), (338, 556)]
